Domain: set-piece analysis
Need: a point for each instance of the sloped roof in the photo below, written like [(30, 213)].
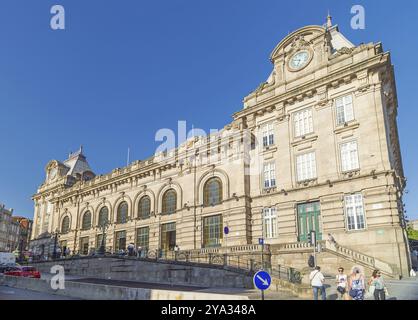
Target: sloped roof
[(77, 163), (338, 40)]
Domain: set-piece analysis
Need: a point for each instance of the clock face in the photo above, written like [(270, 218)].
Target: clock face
[(299, 60)]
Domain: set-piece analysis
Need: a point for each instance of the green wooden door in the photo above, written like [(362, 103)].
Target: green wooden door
[(309, 219)]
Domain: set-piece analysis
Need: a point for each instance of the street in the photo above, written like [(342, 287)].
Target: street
[(405, 289), (8, 293)]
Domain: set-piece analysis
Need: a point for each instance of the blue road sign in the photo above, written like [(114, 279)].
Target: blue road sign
[(226, 230), (262, 280), (260, 241)]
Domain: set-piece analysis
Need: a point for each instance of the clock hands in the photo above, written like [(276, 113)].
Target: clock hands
[(299, 59)]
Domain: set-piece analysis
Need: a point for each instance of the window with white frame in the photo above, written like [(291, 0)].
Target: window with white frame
[(268, 135), (303, 122), (269, 223), (269, 175), (306, 166), (344, 109), (354, 211), (349, 156)]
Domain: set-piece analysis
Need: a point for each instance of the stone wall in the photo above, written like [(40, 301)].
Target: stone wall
[(105, 292), (176, 273)]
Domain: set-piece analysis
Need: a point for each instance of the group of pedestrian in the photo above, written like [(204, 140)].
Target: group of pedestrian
[(62, 253), (352, 287), (131, 251)]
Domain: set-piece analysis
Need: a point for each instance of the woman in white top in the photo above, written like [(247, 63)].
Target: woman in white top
[(341, 280)]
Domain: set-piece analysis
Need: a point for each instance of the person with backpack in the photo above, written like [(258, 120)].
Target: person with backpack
[(341, 280), (317, 282), (356, 284)]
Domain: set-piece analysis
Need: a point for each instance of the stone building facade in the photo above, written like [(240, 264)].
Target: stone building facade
[(315, 147), (25, 226), (9, 230)]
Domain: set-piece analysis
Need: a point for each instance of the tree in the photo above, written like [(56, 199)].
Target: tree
[(412, 234)]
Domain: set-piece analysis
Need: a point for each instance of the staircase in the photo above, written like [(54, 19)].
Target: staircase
[(361, 259), (298, 253)]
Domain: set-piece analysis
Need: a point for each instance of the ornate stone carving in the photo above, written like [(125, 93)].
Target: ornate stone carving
[(351, 174), (307, 183), (299, 42), (260, 87), (343, 51)]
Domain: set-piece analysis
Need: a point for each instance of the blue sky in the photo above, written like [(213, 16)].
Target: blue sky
[(124, 69)]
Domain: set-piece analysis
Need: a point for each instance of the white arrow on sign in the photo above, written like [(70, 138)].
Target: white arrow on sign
[(264, 281)]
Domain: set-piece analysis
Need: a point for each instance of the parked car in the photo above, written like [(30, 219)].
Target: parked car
[(7, 267), (26, 271)]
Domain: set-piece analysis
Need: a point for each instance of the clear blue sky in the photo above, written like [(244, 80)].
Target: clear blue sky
[(123, 69)]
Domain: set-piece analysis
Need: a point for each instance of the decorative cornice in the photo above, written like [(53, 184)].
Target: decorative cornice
[(335, 78)]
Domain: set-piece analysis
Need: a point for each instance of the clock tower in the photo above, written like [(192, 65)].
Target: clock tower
[(58, 176)]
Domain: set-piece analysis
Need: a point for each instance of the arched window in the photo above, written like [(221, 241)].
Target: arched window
[(65, 226), (144, 207), (169, 202), (122, 216), (86, 222), (103, 216), (212, 192)]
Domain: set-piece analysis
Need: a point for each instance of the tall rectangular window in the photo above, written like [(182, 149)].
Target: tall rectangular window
[(303, 122), (268, 135), (269, 175), (344, 109), (349, 156), (212, 231), (120, 240), (269, 223), (168, 236), (142, 237), (306, 166), (354, 211), (84, 245)]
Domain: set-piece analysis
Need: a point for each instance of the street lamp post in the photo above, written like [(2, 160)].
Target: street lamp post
[(21, 255), (54, 254), (103, 226)]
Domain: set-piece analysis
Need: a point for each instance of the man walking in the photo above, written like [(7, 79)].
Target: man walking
[(317, 282)]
